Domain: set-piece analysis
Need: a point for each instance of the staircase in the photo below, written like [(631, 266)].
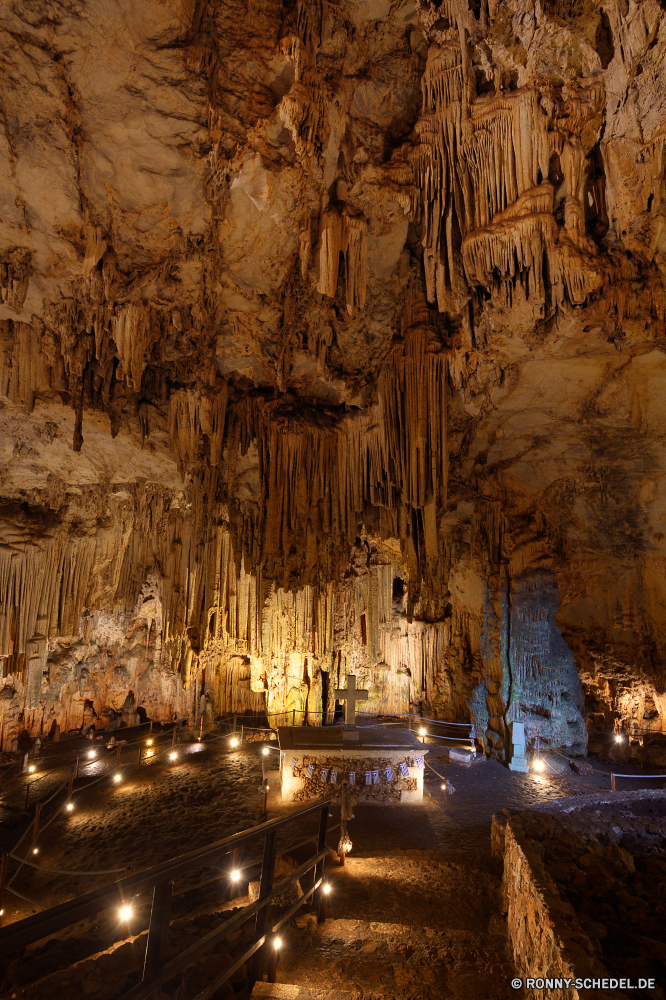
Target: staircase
[(405, 926)]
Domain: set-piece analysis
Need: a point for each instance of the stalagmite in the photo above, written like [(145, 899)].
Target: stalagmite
[(331, 342)]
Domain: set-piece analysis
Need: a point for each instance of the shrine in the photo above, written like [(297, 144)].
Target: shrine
[(379, 766)]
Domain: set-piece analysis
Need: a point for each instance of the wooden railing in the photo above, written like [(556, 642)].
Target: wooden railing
[(160, 879)]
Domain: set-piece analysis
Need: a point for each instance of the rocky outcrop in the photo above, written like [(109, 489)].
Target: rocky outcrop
[(331, 339)]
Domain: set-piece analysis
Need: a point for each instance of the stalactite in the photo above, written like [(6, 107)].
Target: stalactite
[(14, 277)]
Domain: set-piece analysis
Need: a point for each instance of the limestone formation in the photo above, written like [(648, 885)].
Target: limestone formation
[(332, 341)]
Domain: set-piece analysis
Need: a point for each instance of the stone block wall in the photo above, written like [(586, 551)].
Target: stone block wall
[(547, 939), (583, 891)]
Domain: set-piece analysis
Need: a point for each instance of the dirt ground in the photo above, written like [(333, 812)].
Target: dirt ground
[(416, 910)]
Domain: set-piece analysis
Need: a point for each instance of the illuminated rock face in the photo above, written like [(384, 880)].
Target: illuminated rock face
[(331, 340)]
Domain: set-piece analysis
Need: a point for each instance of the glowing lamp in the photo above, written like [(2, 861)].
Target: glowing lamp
[(265, 751), (149, 742), (234, 741), (69, 807), (422, 732), (618, 738), (277, 942), (173, 755), (35, 850), (116, 778), (31, 768), (443, 788), (345, 846), (2, 913), (538, 764), (327, 888), (125, 912), (92, 754), (235, 875)]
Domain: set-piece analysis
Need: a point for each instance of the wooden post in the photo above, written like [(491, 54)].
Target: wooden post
[(160, 916), (173, 737), (235, 720), (140, 749), (200, 728), (150, 727), (293, 716), (265, 886), (342, 859), (70, 787), (3, 879), (76, 773), (118, 751), (35, 828), (242, 728), (319, 868), (234, 885), (27, 796), (272, 959), (613, 783)]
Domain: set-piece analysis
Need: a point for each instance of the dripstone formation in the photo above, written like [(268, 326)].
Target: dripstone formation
[(332, 341)]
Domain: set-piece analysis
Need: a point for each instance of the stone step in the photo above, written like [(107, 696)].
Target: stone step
[(284, 991)]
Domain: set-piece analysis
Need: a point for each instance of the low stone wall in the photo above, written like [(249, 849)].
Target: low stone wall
[(548, 942), (572, 866)]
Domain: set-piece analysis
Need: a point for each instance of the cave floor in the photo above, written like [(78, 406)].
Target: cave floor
[(415, 911), (164, 809)]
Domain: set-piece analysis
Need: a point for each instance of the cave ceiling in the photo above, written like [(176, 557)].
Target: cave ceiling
[(332, 340)]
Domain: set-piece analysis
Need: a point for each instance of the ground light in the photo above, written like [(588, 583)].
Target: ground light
[(443, 788), (69, 807), (265, 751), (234, 741), (92, 753), (125, 912), (149, 742), (277, 942), (422, 732), (538, 764), (327, 888), (31, 768), (173, 755), (618, 738), (235, 875), (116, 778), (35, 850)]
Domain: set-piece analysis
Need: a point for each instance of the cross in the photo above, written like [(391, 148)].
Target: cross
[(351, 696)]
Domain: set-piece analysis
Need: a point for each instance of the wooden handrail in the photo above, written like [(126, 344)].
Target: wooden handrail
[(144, 990), (39, 925)]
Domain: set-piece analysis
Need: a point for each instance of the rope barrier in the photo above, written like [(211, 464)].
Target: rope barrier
[(32, 902), (567, 777), (60, 871)]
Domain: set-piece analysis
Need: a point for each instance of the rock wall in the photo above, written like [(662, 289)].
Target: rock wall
[(331, 339), (581, 891)]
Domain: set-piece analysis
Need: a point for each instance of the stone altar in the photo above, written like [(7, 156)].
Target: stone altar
[(328, 754)]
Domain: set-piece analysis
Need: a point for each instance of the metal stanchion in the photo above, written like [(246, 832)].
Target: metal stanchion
[(234, 886), (27, 796), (35, 828), (3, 879)]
